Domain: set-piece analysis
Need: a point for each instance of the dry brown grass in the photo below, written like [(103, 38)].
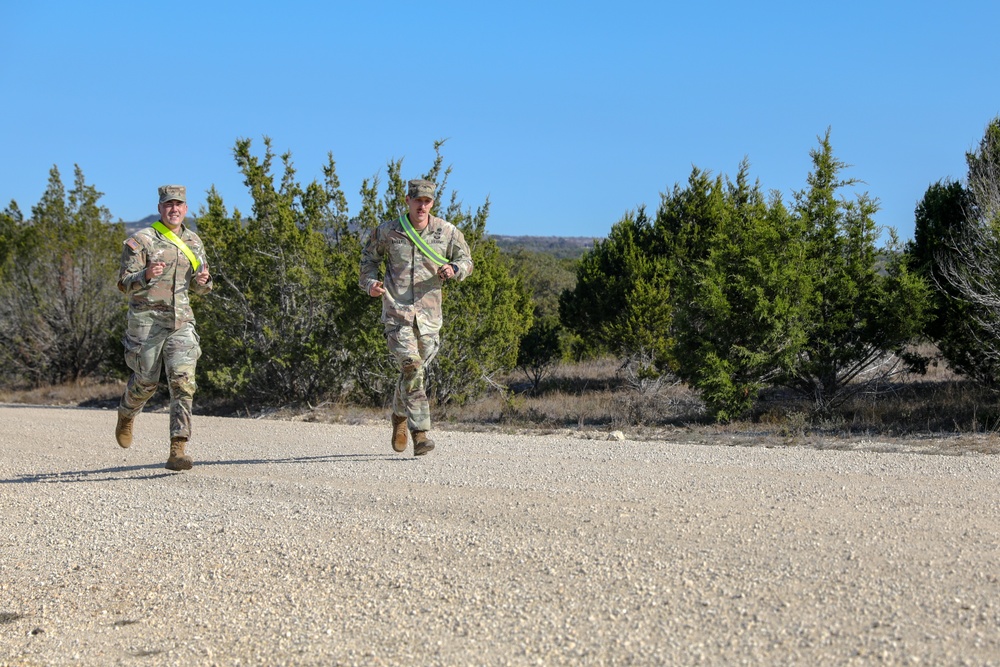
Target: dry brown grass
[(83, 393), (935, 413), (568, 403)]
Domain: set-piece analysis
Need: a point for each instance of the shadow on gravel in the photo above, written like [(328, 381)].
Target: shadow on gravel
[(42, 406), (324, 458), (126, 472), (101, 475)]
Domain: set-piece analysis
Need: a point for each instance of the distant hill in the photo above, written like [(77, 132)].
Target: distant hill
[(561, 247)]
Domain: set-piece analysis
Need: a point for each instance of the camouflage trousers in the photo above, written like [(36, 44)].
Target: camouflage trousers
[(148, 347), (413, 351)]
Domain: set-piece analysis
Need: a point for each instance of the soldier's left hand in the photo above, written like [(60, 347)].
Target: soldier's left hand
[(446, 272), (202, 276)]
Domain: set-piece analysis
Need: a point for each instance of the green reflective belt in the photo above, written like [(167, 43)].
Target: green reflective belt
[(428, 251), (176, 240)]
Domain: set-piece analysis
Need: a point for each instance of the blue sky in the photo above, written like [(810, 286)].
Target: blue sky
[(565, 114)]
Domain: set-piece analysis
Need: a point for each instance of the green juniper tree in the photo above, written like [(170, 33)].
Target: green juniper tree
[(862, 306), (940, 218), (272, 326), (621, 302), (737, 316), (957, 241), (61, 315)]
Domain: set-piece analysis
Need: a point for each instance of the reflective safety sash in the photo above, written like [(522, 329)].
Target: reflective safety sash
[(176, 240), (418, 241)]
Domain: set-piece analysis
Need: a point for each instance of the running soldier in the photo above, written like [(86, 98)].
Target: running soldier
[(420, 252), (160, 265)]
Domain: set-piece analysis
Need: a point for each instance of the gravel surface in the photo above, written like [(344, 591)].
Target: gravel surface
[(294, 543)]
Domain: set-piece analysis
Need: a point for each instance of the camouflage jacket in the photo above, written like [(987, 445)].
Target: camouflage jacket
[(412, 286), (165, 297)]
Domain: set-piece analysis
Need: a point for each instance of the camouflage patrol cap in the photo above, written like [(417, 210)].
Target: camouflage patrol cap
[(421, 188), (172, 192)]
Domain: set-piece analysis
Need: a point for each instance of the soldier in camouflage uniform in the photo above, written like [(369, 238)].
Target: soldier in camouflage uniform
[(420, 252), (159, 265)]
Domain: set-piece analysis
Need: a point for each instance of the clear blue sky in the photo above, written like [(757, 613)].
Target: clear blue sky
[(566, 114)]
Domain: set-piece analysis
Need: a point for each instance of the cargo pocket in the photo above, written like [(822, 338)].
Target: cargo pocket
[(135, 337)]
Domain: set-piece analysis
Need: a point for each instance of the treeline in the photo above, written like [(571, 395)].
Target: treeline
[(724, 287)]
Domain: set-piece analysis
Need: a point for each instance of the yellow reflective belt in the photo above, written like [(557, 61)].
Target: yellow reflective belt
[(176, 240), (418, 241)]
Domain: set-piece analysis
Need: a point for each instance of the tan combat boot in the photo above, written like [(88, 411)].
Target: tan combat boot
[(421, 443), (398, 433), (177, 460), (123, 431)]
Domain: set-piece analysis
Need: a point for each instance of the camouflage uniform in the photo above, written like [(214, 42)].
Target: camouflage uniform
[(411, 305), (161, 323)]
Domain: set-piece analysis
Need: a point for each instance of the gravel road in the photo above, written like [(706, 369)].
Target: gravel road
[(295, 543)]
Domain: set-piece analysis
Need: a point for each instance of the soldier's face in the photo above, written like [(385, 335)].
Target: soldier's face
[(172, 212), (420, 209)]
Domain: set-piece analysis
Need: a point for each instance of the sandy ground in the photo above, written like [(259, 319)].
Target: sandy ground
[(294, 543)]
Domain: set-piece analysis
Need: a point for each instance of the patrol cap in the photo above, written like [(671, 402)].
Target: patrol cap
[(173, 192), (421, 188)]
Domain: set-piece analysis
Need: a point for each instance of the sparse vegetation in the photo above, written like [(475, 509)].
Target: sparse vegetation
[(939, 412)]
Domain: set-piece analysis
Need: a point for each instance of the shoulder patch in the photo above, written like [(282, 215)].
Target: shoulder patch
[(132, 243)]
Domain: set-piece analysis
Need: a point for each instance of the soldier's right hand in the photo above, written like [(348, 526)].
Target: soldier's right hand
[(376, 289), (154, 270)]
